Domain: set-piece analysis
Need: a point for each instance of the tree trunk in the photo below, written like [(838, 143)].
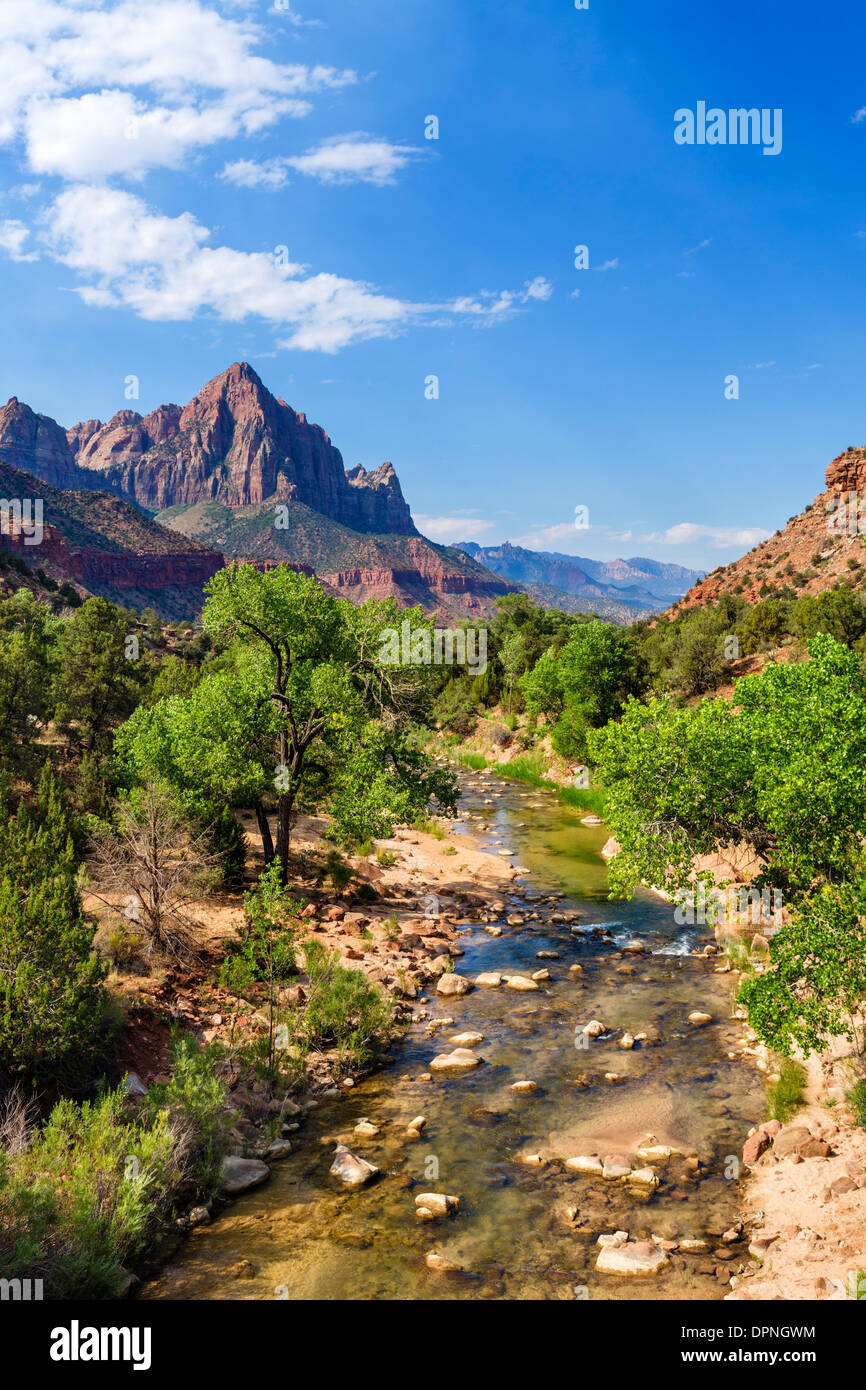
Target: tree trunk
[(264, 827), (284, 831)]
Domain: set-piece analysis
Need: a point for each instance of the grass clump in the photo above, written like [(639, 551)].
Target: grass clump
[(785, 1096)]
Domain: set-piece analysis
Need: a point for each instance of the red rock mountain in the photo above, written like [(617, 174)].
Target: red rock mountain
[(235, 443), (102, 545), (218, 468), (820, 547)]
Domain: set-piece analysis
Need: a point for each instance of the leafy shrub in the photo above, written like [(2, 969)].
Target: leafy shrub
[(344, 1010)]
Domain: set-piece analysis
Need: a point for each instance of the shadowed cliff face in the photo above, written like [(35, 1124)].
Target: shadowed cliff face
[(106, 546)]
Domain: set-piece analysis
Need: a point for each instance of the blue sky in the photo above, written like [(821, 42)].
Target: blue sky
[(154, 153)]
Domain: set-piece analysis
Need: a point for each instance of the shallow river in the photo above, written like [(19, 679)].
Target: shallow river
[(300, 1236)]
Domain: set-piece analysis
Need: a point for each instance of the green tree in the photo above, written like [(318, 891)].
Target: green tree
[(51, 995), (779, 768), (27, 642), (292, 715), (100, 674), (839, 612)]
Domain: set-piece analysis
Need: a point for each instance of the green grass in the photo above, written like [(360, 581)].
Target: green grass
[(785, 1096), (592, 799), (856, 1098), (474, 760)]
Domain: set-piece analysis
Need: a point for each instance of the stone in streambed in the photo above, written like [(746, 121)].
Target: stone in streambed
[(635, 1259), (589, 1164), (468, 1039), (437, 1203), (520, 982), (453, 985), (350, 1169), (461, 1059), (240, 1174), (488, 977)]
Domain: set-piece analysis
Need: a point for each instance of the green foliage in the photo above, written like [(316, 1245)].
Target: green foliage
[(265, 956), (838, 612), (785, 1096), (344, 1010), (816, 983), (51, 996), (83, 1196), (764, 626), (96, 684), (192, 1102), (306, 712), (779, 767), (27, 638)]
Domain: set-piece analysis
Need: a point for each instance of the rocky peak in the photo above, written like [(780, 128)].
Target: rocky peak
[(847, 472)]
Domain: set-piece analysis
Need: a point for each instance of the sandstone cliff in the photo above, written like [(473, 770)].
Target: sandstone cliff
[(822, 546)]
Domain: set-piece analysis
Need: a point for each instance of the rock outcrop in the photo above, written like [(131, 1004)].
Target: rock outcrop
[(238, 444), (820, 547)]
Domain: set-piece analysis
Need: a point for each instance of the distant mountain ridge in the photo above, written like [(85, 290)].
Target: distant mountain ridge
[(637, 586)]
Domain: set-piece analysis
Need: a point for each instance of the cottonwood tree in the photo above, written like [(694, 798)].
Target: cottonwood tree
[(780, 767), (304, 698)]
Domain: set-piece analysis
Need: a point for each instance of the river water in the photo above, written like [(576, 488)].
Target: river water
[(303, 1236)]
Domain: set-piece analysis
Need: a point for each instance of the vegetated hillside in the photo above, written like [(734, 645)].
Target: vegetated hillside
[(106, 546), (645, 584), (353, 564), (817, 549)]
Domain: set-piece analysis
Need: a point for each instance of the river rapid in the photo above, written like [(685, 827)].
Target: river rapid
[(522, 1231)]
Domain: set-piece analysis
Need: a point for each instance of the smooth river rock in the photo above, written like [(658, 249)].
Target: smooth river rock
[(453, 985), (240, 1174), (461, 1059), (637, 1259), (350, 1169)]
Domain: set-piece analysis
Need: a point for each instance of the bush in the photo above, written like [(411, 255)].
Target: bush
[(785, 1096), (82, 1197), (344, 1010), (193, 1099), (51, 995)]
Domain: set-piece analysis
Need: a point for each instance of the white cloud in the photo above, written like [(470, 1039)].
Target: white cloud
[(608, 265), (539, 288), (75, 78), (251, 173), (692, 250), (688, 532), (448, 529), (356, 158), (859, 116), (13, 238), (162, 268), (759, 366), (564, 536), (575, 294)]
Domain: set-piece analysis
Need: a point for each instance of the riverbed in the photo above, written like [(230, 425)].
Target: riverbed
[(523, 1230)]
